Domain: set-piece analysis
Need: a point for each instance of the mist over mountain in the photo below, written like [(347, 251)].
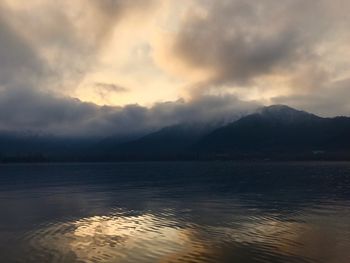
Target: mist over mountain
[(274, 132), (279, 129), (170, 141)]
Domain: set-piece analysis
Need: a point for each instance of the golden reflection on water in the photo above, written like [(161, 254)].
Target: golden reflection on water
[(142, 238), (149, 238), (130, 236)]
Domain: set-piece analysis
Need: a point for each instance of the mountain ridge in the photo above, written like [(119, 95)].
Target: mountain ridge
[(275, 128), (269, 132)]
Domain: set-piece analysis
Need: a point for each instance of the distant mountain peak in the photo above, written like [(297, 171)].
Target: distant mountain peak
[(285, 113), (281, 109), (278, 107)]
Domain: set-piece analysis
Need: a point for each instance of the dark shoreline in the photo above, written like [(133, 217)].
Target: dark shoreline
[(269, 161)]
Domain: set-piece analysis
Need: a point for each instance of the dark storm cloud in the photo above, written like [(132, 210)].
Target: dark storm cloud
[(241, 40), (235, 57), (37, 111)]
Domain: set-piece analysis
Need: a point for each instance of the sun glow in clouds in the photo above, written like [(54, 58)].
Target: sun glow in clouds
[(161, 51), (161, 47)]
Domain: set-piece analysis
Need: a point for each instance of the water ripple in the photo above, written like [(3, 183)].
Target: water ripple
[(215, 213)]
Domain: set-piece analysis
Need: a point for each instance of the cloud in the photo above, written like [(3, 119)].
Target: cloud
[(61, 38), (235, 56), (19, 61), (44, 112), (254, 49), (39, 55), (104, 90), (329, 101), (259, 44), (110, 87)]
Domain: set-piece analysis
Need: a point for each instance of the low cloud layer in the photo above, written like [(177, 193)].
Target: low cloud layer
[(25, 110)]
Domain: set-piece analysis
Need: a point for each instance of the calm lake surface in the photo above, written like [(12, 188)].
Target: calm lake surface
[(175, 212)]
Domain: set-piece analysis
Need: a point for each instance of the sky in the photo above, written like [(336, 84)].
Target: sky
[(101, 67)]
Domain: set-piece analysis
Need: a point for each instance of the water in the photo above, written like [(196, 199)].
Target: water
[(175, 212)]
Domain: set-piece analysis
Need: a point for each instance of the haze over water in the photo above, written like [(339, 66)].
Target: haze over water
[(175, 212)]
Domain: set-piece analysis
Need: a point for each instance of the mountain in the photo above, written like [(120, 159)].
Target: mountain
[(279, 129), (28, 147), (274, 132), (168, 142)]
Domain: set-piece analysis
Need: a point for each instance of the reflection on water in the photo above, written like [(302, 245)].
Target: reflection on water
[(112, 238), (175, 212)]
